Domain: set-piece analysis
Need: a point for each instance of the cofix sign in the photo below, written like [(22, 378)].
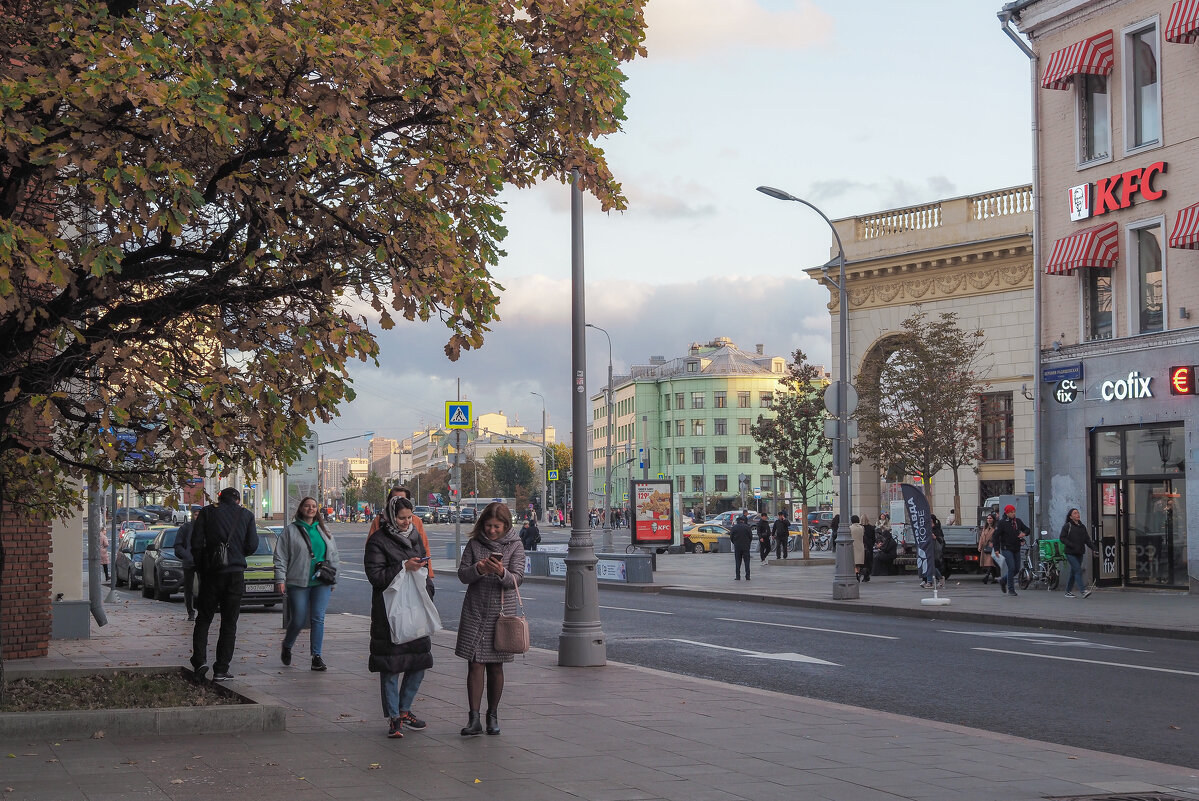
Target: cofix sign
[(1116, 192)]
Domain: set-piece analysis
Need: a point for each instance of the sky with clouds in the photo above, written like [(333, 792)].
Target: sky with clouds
[(854, 105)]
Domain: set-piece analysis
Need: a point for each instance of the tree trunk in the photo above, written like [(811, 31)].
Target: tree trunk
[(803, 523), (2, 497), (957, 500)]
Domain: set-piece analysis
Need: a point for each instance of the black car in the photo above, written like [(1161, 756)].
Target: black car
[(136, 513), (162, 570), (467, 514), (167, 514)]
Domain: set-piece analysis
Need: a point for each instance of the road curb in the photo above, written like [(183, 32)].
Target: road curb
[(251, 716), (928, 613)]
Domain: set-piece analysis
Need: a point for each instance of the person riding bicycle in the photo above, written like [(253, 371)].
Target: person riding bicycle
[(1009, 536)]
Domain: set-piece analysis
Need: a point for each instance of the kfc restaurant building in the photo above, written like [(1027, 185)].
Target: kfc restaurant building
[(1117, 196)]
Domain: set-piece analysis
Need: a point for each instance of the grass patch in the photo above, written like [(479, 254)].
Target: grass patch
[(115, 690)]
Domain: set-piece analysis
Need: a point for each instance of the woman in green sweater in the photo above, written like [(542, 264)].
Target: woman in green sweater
[(303, 544)]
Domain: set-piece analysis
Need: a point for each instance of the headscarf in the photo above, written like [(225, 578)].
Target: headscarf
[(391, 512)]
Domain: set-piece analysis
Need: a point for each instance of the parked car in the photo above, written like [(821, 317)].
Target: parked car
[(132, 549), (167, 514), (136, 513), (703, 538), (162, 570), (820, 521), (260, 573), (466, 514), (727, 519), (131, 525)]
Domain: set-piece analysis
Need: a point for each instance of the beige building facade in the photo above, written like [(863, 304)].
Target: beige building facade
[(1114, 88), (970, 255)]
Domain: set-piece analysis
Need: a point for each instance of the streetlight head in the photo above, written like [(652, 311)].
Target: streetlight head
[(777, 194)]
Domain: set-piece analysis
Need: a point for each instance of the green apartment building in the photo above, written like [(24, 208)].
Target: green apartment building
[(691, 416)]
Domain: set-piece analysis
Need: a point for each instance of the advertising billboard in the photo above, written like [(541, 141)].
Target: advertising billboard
[(653, 512)]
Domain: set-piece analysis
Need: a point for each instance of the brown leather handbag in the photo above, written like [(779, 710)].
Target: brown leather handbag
[(511, 631)]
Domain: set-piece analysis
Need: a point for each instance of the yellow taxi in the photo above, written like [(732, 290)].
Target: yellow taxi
[(702, 538)]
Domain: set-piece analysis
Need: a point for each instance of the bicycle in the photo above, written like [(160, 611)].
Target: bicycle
[(1046, 570)]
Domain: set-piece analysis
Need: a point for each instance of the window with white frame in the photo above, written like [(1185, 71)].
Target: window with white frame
[(743, 454), (1148, 293), (698, 456), (680, 428), (1143, 89), (697, 428), (720, 455), (697, 400), (697, 483), (1094, 118), (1098, 312), (680, 456), (720, 399), (720, 426)]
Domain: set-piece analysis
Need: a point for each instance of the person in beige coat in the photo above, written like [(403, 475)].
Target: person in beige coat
[(856, 533), (985, 560)]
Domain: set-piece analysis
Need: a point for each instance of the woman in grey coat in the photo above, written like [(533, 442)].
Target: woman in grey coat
[(492, 567), (304, 542)]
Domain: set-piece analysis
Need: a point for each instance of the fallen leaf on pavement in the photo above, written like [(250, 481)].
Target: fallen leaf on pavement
[(478, 781), (98, 735), (176, 781), (1176, 728), (374, 766)]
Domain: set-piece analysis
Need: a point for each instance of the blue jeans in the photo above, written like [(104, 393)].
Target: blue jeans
[(398, 695), (302, 603), (1075, 573), (1013, 566)]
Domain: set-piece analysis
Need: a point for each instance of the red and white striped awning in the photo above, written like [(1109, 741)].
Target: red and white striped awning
[(1091, 56), (1183, 27), (1091, 247), (1185, 233)]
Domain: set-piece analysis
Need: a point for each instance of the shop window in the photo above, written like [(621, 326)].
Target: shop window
[(720, 399), (1147, 251), (698, 456), (1094, 118), (996, 413), (720, 426), (697, 400), (1099, 319), (697, 483), (742, 400), (680, 455), (697, 428), (743, 426), (721, 484), (1156, 450), (995, 487), (743, 455), (721, 455), (1143, 103)]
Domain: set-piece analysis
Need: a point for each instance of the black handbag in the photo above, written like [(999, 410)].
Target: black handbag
[(324, 571)]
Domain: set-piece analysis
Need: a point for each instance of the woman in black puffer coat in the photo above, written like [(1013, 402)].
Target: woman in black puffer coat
[(395, 546)]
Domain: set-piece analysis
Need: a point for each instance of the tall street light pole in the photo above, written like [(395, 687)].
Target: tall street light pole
[(607, 527), (581, 643), (544, 465), (845, 585)]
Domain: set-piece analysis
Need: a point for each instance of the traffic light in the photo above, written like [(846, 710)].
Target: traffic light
[(1182, 381)]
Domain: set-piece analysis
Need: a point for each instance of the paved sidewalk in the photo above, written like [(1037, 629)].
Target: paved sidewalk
[(1162, 613), (609, 733)]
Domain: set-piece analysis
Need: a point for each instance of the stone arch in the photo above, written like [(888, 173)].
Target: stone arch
[(867, 477)]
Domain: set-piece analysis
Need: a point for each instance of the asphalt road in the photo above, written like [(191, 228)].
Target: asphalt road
[(1127, 695)]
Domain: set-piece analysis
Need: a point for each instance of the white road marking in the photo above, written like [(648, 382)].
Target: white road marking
[(808, 628), (1040, 638), (1092, 661), (783, 657), (627, 609)]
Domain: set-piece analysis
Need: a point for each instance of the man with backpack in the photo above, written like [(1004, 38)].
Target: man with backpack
[(223, 534)]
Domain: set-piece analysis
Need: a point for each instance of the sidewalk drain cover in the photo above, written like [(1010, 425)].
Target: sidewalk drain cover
[(1122, 797)]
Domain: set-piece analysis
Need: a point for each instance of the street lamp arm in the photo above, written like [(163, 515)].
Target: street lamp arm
[(781, 195), (346, 439)]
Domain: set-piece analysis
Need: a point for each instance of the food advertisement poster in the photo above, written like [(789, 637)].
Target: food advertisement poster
[(653, 512)]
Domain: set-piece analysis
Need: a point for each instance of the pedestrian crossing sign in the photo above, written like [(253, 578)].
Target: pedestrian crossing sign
[(458, 414), (551, 475)]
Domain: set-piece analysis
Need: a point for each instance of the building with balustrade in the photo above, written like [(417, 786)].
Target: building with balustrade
[(1117, 148), (971, 255)]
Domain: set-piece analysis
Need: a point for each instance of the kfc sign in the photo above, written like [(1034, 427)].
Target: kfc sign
[(1117, 192)]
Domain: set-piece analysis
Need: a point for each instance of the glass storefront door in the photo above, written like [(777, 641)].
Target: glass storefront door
[(1139, 506), (1107, 532)]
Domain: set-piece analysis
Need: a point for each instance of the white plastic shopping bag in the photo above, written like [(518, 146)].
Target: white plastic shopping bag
[(410, 610)]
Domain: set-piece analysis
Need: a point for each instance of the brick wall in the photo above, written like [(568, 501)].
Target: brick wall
[(25, 588)]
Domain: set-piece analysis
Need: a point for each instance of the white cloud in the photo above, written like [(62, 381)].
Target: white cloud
[(695, 28)]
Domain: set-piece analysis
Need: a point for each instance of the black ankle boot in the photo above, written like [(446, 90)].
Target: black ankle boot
[(473, 726), (493, 723)]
